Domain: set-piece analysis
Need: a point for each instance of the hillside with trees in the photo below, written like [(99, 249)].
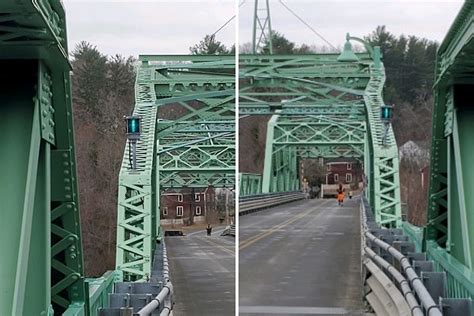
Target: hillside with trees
[(103, 92)]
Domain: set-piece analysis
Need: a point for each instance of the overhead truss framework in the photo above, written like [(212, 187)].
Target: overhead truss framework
[(187, 105), (450, 216), (323, 108)]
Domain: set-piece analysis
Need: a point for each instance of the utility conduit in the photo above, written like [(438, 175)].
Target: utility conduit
[(164, 298), (405, 286), (421, 291)]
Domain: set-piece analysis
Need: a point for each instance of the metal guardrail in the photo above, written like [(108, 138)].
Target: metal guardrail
[(460, 281), (254, 203), (229, 231), (164, 299), (408, 285), (99, 289), (153, 297), (414, 233)]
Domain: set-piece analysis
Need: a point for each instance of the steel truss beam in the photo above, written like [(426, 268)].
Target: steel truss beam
[(187, 105), (450, 205), (323, 108), (250, 184), (42, 269)]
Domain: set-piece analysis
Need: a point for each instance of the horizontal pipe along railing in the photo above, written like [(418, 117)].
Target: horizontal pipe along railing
[(164, 298), (409, 284), (415, 308), (248, 204)]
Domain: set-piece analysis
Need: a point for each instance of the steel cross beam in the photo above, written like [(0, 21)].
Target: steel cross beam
[(187, 105), (323, 107), (450, 204), (40, 234)]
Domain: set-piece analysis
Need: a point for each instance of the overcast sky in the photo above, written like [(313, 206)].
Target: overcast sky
[(136, 27), (333, 19), (133, 27)]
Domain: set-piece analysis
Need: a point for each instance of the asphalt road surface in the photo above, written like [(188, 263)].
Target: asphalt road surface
[(202, 273), (301, 258)]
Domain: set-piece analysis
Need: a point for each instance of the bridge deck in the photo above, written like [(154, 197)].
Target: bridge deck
[(301, 258), (203, 273)]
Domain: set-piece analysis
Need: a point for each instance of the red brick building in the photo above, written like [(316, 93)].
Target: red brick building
[(343, 172), (187, 206)]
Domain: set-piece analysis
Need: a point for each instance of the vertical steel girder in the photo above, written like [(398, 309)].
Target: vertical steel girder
[(250, 184), (323, 108), (450, 208), (187, 105), (262, 27), (42, 267)]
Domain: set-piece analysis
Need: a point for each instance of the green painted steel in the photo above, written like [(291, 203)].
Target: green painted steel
[(448, 235), (187, 106), (460, 279), (323, 107), (262, 27), (98, 290), (40, 237), (250, 184), (415, 234)]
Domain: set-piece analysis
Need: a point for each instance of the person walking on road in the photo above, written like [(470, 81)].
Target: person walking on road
[(340, 195), (350, 195), (209, 229)]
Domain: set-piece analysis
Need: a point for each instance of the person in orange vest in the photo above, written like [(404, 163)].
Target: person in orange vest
[(340, 196)]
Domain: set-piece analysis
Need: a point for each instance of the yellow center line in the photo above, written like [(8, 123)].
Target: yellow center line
[(244, 244), (220, 246)]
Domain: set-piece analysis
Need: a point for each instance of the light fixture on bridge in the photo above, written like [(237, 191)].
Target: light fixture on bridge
[(134, 130), (347, 54), (386, 115), (134, 127)]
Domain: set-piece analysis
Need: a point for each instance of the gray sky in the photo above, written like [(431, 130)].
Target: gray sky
[(133, 27), (147, 27), (333, 19)]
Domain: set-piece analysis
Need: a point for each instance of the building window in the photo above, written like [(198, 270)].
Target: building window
[(198, 210), (179, 211), (180, 198), (165, 211), (329, 167), (348, 177), (336, 177), (197, 197), (349, 166)]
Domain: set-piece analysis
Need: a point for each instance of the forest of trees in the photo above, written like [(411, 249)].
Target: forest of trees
[(103, 92)]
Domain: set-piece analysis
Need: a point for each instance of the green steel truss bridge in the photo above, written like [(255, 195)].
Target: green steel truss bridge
[(320, 107), (194, 150), (187, 110), (330, 105)]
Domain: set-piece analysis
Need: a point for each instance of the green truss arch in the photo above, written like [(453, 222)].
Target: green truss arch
[(323, 106), (187, 106)]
